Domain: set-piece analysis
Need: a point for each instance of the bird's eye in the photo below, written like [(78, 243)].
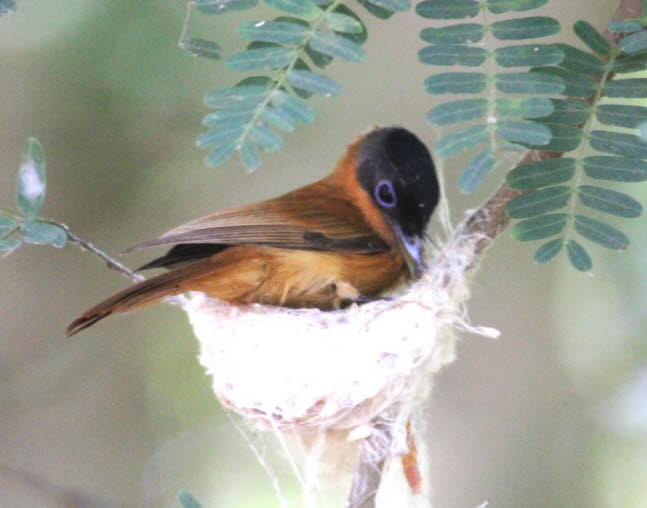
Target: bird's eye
[(384, 194)]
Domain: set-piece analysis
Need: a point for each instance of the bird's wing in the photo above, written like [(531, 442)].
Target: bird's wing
[(315, 217)]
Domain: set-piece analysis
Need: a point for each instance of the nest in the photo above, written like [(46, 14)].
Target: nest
[(316, 373)]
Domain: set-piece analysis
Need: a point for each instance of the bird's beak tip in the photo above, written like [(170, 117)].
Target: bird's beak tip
[(411, 247)]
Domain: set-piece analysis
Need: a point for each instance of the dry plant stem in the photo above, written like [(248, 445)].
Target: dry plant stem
[(487, 222), (113, 264)]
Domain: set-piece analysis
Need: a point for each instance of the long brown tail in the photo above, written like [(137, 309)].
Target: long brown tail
[(141, 294)]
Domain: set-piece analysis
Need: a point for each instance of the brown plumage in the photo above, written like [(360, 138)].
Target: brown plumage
[(348, 236)]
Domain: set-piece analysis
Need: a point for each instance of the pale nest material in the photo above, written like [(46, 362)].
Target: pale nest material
[(312, 370)]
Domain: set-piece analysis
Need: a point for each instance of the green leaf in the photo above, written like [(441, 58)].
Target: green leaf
[(249, 156), (628, 88), (524, 131), (549, 250), (31, 185), (609, 201), (592, 38), (225, 116), (7, 6), (457, 111), (576, 84), (358, 37), (528, 83), (616, 169), (618, 143), (296, 108), (476, 170), (220, 134), (565, 138), (201, 47), (539, 202), (461, 140), (239, 97), (376, 11), (187, 500), (456, 82), (9, 244), (343, 23), (215, 7), (274, 57), (281, 32), (579, 61), (392, 5), (541, 173), (462, 33), (43, 233), (569, 112), (501, 6), (304, 9), (634, 43), (631, 63), (642, 131), (313, 82), (525, 28), (452, 54), (336, 46), (531, 107), (448, 9), (540, 227), (319, 59), (220, 154), (222, 128), (7, 225), (262, 82), (279, 118), (528, 55), (601, 233), (625, 26), (622, 116), (266, 138), (578, 256)]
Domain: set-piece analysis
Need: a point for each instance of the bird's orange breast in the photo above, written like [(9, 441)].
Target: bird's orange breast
[(297, 278)]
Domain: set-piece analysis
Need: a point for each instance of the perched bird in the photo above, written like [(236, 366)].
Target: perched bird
[(345, 238)]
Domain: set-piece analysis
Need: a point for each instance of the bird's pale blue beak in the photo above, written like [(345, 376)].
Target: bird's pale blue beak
[(411, 247)]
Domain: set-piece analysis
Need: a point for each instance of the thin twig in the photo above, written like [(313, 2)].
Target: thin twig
[(185, 24), (112, 263), (486, 223)]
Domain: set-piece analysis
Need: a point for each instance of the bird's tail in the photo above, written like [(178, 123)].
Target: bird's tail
[(139, 295)]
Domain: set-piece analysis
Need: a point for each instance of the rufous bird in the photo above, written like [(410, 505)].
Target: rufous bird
[(348, 237)]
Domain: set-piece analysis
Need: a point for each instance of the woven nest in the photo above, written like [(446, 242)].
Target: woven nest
[(311, 370)]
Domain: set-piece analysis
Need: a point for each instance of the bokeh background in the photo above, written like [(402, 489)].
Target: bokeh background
[(552, 414)]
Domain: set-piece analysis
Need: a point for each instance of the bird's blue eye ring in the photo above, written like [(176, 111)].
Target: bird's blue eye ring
[(385, 194)]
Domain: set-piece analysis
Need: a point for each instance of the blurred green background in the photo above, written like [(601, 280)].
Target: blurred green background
[(552, 414)]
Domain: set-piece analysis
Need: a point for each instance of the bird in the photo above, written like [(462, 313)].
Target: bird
[(347, 238)]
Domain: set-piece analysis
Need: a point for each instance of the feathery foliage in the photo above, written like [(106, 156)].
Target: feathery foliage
[(281, 54), (596, 90), (501, 122)]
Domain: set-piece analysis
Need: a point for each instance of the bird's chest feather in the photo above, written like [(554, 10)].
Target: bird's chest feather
[(299, 278)]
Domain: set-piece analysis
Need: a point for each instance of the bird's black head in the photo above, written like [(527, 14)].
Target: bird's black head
[(397, 171)]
